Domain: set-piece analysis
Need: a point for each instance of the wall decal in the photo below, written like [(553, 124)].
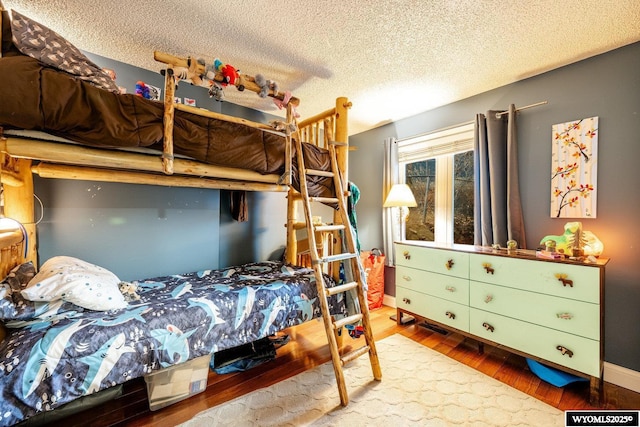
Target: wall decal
[(574, 166)]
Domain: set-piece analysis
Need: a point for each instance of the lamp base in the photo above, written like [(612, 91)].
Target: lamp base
[(404, 318)]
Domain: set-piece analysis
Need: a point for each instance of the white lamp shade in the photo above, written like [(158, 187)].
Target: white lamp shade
[(400, 195), (9, 224)]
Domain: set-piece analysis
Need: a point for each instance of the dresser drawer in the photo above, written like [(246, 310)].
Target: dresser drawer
[(437, 309), (451, 263), (538, 341), (574, 317), (553, 278), (450, 288)]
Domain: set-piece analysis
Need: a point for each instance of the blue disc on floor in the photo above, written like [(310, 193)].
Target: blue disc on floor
[(553, 376)]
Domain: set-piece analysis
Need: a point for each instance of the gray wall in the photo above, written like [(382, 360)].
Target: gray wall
[(262, 237), (136, 231), (607, 86)]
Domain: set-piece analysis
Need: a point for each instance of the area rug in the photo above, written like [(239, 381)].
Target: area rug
[(419, 387)]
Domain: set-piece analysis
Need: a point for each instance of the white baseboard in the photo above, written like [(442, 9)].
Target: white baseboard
[(621, 376), (389, 301), (614, 374)]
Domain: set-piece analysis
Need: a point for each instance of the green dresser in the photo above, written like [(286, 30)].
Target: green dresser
[(548, 310)]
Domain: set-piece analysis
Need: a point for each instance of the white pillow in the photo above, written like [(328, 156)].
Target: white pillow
[(73, 280)]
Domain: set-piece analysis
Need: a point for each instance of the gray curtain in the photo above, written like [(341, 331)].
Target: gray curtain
[(390, 224), (498, 209)]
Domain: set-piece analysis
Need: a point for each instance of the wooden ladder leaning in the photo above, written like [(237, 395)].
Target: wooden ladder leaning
[(351, 255)]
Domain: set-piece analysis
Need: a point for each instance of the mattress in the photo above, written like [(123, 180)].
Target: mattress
[(69, 352)]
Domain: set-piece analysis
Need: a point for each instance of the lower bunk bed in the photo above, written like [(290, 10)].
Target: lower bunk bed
[(57, 351)]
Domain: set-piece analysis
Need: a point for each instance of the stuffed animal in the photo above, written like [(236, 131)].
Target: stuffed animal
[(281, 126), (192, 73), (129, 291), (274, 86), (283, 103), (229, 73), (216, 92), (143, 90), (265, 85), (261, 81)]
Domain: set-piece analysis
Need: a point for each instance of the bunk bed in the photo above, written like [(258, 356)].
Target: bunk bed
[(182, 146)]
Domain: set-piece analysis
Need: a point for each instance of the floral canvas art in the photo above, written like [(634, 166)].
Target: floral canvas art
[(574, 165)]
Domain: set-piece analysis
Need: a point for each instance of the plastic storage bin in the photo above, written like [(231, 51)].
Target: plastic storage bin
[(177, 382)]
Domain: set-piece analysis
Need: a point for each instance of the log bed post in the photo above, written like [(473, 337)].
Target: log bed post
[(169, 111), (288, 148), (17, 185), (291, 250), (341, 135)]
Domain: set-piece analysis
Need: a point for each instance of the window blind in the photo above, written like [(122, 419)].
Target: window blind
[(453, 140)]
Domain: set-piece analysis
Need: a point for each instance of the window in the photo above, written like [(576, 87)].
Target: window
[(438, 167)]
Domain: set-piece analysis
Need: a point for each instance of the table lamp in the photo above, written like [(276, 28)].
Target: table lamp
[(401, 197)]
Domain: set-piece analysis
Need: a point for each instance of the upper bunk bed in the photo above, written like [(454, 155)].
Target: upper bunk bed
[(71, 123)]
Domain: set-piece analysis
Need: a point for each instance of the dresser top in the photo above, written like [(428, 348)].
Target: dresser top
[(518, 253)]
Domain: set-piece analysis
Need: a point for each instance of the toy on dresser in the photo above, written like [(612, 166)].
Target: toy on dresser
[(574, 243)]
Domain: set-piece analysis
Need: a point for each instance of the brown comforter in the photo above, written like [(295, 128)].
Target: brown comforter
[(36, 97), (41, 98)]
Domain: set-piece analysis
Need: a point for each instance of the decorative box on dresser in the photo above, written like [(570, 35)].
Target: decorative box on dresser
[(551, 311)]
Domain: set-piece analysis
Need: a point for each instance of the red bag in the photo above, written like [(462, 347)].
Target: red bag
[(373, 264)]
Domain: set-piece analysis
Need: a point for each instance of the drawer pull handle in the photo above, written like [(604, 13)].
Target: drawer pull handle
[(562, 277), (565, 316), (449, 264), (450, 315), (406, 254), (488, 299), (488, 327), (564, 351), (487, 267), (407, 278), (406, 300), (450, 288)]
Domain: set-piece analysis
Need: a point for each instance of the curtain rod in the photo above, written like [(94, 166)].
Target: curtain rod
[(466, 123), (498, 115)]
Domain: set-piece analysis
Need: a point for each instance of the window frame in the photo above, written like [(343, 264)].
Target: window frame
[(441, 145)]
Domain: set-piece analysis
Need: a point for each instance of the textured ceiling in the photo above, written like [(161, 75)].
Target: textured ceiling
[(392, 59)]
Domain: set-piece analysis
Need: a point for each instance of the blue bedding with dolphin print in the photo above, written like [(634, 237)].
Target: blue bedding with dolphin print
[(48, 361)]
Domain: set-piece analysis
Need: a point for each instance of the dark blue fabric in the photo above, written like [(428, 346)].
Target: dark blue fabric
[(49, 361)]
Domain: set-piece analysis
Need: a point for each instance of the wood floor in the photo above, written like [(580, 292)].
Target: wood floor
[(308, 348)]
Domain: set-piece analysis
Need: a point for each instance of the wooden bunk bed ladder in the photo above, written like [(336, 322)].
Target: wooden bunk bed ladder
[(354, 269)]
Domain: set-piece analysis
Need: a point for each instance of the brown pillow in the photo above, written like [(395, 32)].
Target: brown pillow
[(41, 43)]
